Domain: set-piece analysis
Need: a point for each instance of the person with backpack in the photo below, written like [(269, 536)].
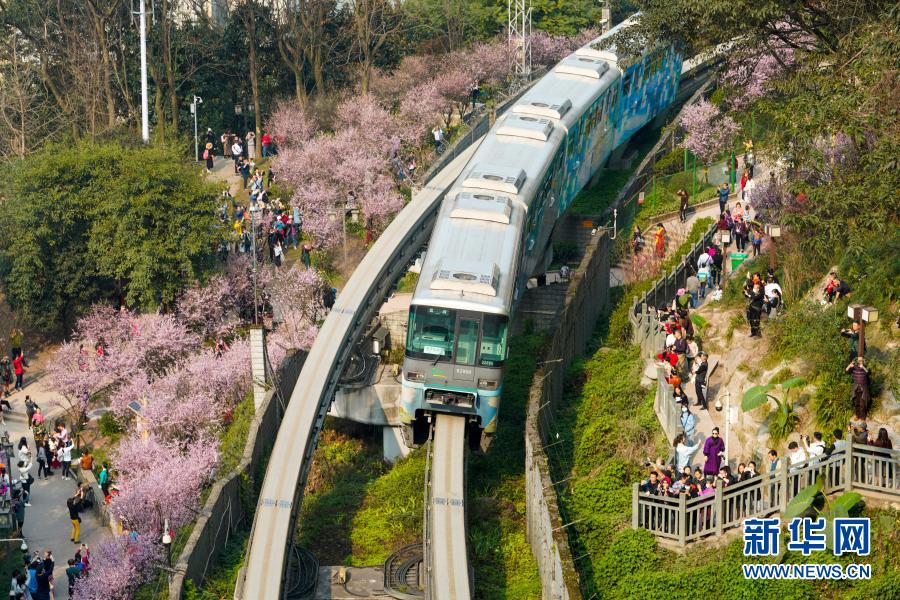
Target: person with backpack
[(208, 157), (703, 276), (756, 240)]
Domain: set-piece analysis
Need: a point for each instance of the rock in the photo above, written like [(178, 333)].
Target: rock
[(650, 372)]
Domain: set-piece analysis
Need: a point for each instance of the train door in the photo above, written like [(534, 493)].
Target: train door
[(467, 330)]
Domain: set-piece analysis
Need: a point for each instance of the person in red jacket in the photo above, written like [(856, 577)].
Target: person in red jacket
[(266, 144), (19, 370)]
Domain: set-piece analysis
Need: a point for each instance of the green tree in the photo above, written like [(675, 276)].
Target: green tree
[(83, 222)]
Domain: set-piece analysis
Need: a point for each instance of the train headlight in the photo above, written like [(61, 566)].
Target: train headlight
[(413, 376), (487, 384)]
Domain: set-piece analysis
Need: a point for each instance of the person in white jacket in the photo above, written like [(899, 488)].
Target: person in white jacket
[(815, 449), (65, 457), (25, 463), (683, 452)]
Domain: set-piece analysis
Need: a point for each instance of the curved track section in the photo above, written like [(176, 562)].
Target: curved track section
[(291, 457), (446, 557)]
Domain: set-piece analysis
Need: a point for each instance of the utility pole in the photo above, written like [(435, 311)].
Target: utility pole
[(519, 30), (194, 107), (605, 16), (145, 111), (254, 208)]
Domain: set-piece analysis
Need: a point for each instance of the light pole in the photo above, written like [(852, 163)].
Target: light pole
[(167, 543), (145, 111), (194, 105), (254, 208), (862, 314)]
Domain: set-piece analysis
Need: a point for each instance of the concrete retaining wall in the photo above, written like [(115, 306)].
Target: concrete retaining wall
[(587, 295), (231, 495)]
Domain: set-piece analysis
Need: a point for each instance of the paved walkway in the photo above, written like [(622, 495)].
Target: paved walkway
[(707, 419), (47, 524)]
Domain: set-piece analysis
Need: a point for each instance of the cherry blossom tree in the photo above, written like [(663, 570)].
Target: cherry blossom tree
[(708, 130), (193, 400), (488, 62), (297, 299), (161, 479), (419, 111), (291, 125), (119, 565), (751, 75), (209, 310), (455, 84)]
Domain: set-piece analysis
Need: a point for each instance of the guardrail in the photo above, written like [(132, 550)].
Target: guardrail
[(647, 331), (681, 521)]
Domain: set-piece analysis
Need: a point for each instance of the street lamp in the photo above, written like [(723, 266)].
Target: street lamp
[(194, 105), (774, 232), (254, 209), (862, 314), (167, 544)]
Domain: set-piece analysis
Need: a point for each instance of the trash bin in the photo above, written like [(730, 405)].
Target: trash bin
[(737, 259)]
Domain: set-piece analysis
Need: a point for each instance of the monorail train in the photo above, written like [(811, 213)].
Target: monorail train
[(493, 229)]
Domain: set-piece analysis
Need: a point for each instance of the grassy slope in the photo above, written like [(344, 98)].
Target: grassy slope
[(611, 426)]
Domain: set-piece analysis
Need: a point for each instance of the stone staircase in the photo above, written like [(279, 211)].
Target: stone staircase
[(541, 305)]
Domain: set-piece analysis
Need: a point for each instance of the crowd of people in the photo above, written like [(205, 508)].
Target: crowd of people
[(52, 451), (681, 476), (35, 580)]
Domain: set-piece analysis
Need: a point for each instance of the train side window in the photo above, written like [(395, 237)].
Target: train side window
[(493, 340), (626, 85)]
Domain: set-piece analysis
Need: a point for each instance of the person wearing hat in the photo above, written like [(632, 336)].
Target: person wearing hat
[(860, 432), (208, 156)]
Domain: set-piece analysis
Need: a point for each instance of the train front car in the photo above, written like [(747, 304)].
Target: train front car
[(454, 364)]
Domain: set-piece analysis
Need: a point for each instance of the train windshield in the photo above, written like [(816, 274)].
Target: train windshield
[(430, 333), (443, 335)]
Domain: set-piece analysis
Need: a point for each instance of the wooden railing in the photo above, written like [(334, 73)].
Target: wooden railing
[(683, 520), (647, 331)]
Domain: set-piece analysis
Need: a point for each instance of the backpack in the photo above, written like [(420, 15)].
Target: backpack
[(206, 155)]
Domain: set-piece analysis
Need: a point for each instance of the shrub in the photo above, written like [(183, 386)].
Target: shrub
[(673, 162), (632, 551), (109, 426)]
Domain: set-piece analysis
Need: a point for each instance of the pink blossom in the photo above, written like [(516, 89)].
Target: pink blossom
[(547, 49), (420, 110), (752, 75), (119, 566), (291, 125), (708, 130), (488, 62), (160, 480)]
